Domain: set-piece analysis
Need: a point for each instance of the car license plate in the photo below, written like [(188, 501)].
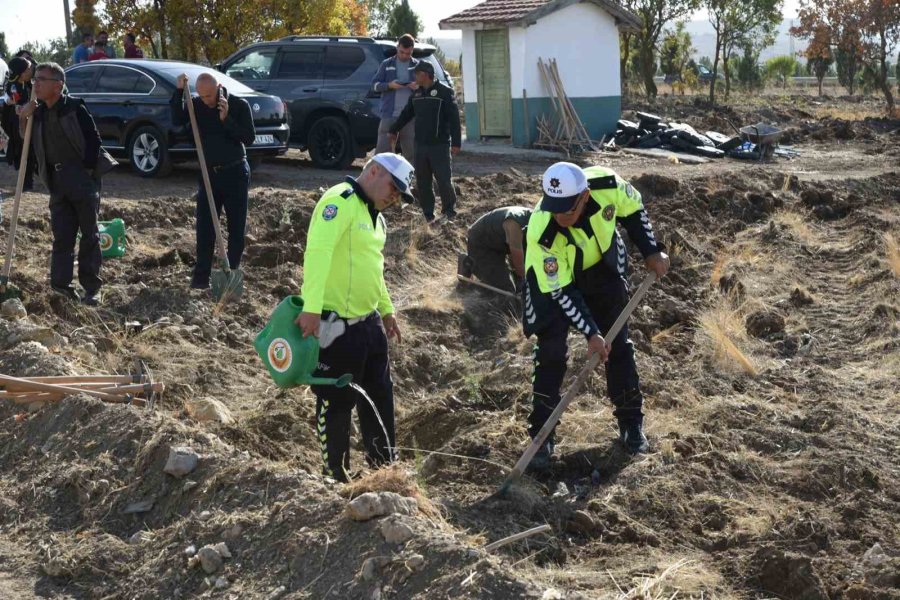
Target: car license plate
[(264, 139)]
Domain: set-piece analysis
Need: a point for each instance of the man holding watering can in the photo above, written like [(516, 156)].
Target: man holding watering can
[(347, 306)]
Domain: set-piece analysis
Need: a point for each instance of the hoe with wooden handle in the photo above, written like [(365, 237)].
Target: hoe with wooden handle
[(7, 291), (583, 375)]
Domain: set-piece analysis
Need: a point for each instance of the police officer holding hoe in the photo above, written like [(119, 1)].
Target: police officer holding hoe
[(575, 264), (347, 306)]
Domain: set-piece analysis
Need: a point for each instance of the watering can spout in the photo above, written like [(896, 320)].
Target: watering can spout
[(340, 382)]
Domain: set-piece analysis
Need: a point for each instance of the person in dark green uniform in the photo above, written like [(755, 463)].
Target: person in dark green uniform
[(344, 291), (491, 239), (575, 263)]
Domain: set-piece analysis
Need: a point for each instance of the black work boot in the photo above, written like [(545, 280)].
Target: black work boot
[(542, 460), (631, 434)]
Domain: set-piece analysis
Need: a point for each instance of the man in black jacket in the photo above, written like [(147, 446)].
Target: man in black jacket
[(438, 135), (70, 163), (226, 127)]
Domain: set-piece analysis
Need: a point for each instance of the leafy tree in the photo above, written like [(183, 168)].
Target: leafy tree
[(749, 74), (782, 68), (403, 20), (675, 51), (4, 49), (818, 53), (735, 21), (56, 50), (85, 17), (881, 34), (379, 15), (654, 14)]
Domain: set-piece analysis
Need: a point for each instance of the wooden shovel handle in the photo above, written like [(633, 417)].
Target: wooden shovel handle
[(14, 219), (48, 387)]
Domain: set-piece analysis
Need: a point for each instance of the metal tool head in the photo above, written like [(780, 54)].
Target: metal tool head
[(227, 285)]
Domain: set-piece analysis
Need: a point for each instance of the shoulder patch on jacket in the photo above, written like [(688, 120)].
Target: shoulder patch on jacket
[(603, 183)]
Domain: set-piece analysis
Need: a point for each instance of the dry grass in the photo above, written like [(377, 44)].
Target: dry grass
[(394, 478), (798, 225), (657, 587), (719, 330), (892, 252)]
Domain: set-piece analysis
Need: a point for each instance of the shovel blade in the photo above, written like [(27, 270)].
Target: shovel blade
[(227, 284)]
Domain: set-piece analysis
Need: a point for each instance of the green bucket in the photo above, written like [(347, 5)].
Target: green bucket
[(291, 358)]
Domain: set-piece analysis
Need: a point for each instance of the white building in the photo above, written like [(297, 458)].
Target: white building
[(501, 43)]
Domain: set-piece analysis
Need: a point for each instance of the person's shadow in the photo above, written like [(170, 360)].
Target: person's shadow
[(600, 466)]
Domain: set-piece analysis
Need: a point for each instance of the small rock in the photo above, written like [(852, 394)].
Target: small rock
[(209, 410), (800, 297), (372, 566), (222, 549), (874, 556), (377, 504), (190, 550), (208, 331), (416, 562), (55, 567), (204, 515), (596, 477), (140, 506), (552, 594), (581, 522), (13, 309), (221, 583), (188, 485), (277, 593), (140, 537), (182, 460), (210, 560), (395, 531), (561, 490)]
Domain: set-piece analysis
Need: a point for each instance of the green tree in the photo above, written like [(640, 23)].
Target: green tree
[(403, 20), (379, 15), (654, 15), (56, 50), (734, 21), (675, 51), (782, 68), (85, 17), (749, 74), (4, 49)]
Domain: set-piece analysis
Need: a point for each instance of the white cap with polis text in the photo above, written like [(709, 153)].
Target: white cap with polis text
[(400, 170), (563, 182)]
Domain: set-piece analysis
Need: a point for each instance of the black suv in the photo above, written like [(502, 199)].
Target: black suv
[(130, 103), (327, 84)]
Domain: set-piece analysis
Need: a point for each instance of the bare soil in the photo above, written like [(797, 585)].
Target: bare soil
[(769, 358)]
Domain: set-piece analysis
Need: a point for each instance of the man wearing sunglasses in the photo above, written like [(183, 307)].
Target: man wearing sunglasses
[(70, 162), (575, 263), (347, 306)]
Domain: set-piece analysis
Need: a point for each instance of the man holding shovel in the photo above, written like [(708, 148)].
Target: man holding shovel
[(492, 239), (575, 264), (70, 163), (347, 306), (225, 125)]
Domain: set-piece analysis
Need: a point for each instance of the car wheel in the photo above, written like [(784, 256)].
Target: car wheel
[(329, 143), (148, 152)]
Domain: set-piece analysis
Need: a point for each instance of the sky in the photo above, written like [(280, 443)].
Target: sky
[(41, 20)]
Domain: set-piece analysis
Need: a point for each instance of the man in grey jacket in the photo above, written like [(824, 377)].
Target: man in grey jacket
[(396, 82)]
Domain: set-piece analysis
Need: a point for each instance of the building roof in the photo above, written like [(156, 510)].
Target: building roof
[(511, 13)]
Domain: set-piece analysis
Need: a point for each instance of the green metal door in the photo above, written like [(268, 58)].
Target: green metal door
[(494, 107)]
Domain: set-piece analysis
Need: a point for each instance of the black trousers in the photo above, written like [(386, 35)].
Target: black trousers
[(363, 352), (229, 186), (433, 162), (551, 353), (74, 205)]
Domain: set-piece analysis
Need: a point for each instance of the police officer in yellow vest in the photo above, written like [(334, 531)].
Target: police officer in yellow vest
[(575, 263), (347, 306)]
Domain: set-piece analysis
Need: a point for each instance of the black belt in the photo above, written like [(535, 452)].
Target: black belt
[(234, 163), (353, 321), (60, 166)]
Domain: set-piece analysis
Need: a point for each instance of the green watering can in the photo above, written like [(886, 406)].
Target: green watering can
[(290, 357), (112, 238)]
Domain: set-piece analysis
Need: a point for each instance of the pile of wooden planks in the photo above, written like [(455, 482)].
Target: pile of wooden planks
[(138, 390), (564, 130)]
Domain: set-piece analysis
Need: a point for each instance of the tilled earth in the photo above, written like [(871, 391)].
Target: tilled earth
[(769, 358)]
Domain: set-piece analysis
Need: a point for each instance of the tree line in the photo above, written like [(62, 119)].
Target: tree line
[(857, 38)]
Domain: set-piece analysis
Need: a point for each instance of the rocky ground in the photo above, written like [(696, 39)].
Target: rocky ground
[(769, 358)]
